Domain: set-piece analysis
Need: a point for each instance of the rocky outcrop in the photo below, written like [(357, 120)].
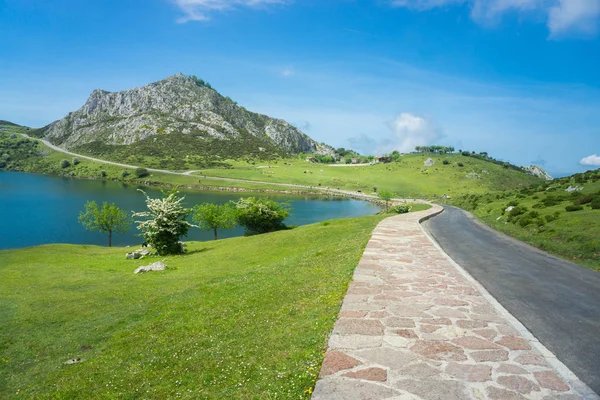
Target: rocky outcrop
[(178, 104), (538, 171)]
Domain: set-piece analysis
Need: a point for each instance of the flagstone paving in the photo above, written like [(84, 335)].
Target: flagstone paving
[(413, 326)]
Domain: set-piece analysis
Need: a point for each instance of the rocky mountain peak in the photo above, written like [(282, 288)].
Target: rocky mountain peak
[(179, 104)]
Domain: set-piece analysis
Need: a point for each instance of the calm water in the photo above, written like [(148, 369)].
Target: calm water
[(38, 209)]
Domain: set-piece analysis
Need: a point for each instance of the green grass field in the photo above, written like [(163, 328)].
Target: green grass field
[(544, 221), (407, 178), (241, 318)]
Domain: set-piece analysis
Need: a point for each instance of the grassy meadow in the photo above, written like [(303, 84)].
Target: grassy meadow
[(241, 318), (540, 216)]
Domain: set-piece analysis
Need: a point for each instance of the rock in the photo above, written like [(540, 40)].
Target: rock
[(429, 162), (157, 266), (133, 255), (74, 361), (145, 252), (537, 171), (13, 136), (572, 189), (509, 209)]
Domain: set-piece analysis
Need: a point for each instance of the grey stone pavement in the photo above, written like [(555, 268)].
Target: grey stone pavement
[(414, 325)]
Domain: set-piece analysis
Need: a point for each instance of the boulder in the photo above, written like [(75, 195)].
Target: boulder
[(157, 266), (429, 162), (133, 255)]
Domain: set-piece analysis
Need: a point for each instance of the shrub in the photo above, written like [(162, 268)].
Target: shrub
[(512, 203), (446, 162), (596, 204), (261, 215), (65, 164), (75, 161), (164, 223), (460, 164), (573, 207), (583, 200), (2, 164), (400, 208), (533, 214), (125, 173), (550, 218), (103, 174), (525, 221), (141, 172)]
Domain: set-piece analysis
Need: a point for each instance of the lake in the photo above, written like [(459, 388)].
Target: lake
[(40, 209)]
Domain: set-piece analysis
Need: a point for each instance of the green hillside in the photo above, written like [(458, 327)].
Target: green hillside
[(451, 175), (561, 216), (195, 331)]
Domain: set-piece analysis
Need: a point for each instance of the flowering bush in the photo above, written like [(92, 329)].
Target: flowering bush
[(165, 223)]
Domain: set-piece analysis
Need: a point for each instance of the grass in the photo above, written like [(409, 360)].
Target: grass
[(545, 222), (407, 178), (241, 318)]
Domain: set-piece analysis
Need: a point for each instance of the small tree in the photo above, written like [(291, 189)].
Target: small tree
[(386, 196), (65, 164), (210, 216), (109, 219), (261, 215), (141, 172), (164, 223)]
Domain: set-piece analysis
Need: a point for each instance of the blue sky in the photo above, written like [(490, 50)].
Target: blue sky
[(519, 79)]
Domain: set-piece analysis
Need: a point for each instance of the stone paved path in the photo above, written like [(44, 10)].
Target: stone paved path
[(413, 326)]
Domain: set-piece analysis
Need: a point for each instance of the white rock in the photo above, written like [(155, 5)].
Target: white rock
[(157, 266)]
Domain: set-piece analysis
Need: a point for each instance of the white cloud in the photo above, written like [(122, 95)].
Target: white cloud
[(574, 15), (411, 131), (590, 161), (287, 72), (198, 10), (563, 16)]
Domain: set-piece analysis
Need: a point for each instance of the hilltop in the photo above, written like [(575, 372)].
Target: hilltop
[(178, 120)]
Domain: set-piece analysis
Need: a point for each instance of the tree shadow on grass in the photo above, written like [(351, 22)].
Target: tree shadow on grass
[(196, 251)]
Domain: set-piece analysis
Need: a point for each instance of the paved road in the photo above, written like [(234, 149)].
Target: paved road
[(558, 301)]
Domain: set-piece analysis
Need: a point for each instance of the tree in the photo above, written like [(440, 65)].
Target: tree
[(109, 219), (261, 215), (164, 223), (211, 216), (65, 164), (387, 197), (141, 172)]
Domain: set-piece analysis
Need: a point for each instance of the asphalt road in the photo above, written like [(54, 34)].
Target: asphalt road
[(558, 301)]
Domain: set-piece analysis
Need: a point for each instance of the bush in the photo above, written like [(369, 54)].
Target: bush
[(460, 164), (103, 174), (513, 203), (583, 200), (596, 204), (550, 218), (525, 221), (400, 209), (533, 214), (260, 215), (125, 173), (573, 207), (165, 223), (65, 164), (446, 162), (75, 161), (141, 172)]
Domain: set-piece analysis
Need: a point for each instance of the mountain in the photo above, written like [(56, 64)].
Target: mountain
[(180, 117)]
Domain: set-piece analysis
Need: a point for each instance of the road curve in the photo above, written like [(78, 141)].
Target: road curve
[(558, 301)]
